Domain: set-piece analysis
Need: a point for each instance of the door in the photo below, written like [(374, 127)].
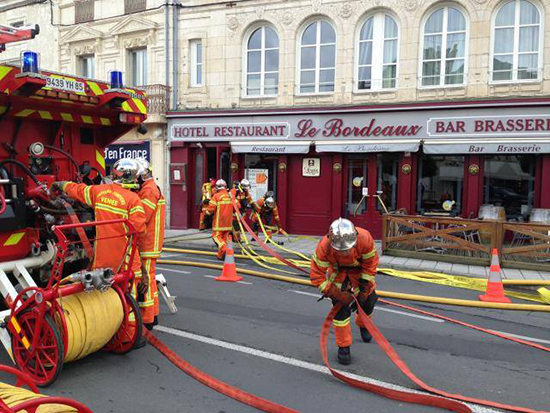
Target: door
[(371, 189), (309, 197)]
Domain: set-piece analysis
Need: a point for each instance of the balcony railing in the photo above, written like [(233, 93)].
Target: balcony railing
[(83, 11), (134, 6), (158, 98)]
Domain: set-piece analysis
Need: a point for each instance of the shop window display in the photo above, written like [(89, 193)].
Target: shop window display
[(261, 171), (509, 182), (440, 184)]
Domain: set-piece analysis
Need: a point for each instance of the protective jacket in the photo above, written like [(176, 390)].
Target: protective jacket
[(266, 213), (221, 207), (329, 266), (150, 242), (243, 198), (111, 201)]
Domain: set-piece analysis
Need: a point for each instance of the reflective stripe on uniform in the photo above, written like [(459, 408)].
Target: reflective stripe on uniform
[(111, 209), (156, 245), (324, 285), (87, 197), (148, 203), (151, 254), (341, 323), (322, 264), (135, 209), (368, 277), (369, 255)]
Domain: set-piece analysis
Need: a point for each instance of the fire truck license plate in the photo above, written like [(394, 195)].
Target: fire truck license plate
[(65, 84)]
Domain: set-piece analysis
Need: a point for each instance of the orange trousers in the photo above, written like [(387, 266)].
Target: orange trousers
[(342, 321), (149, 303), (220, 238)]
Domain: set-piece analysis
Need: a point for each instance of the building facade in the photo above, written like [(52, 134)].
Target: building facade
[(428, 107)]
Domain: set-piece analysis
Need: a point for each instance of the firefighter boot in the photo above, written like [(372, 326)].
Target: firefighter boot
[(344, 355), (365, 335)]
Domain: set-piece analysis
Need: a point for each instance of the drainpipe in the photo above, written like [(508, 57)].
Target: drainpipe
[(167, 44), (175, 55)]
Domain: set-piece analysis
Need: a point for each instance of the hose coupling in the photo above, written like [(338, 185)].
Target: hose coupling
[(99, 279)]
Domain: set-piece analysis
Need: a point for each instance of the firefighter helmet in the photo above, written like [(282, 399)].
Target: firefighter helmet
[(245, 183), (221, 184), (125, 171), (342, 234), (144, 169), (270, 202)]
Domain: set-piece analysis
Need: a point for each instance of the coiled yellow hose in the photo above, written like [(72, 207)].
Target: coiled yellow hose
[(92, 320), (12, 396)]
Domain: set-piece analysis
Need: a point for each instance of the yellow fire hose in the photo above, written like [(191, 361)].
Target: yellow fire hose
[(12, 396), (388, 294), (92, 320)]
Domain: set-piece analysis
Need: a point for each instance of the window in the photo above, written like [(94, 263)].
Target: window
[(317, 58), (388, 170), (510, 183), (196, 63), (377, 56), (441, 179), (83, 11), (262, 62), (133, 6), (87, 66), (444, 51), (138, 67), (517, 42)]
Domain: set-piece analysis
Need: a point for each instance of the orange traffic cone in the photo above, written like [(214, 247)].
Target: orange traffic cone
[(229, 272), (495, 289)]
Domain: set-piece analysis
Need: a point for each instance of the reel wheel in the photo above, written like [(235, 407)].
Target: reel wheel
[(129, 333), (44, 362)]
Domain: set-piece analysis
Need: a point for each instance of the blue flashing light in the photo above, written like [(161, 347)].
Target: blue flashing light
[(29, 62), (116, 80)]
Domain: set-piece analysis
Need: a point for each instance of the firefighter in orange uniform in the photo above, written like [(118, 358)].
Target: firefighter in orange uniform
[(241, 194), (150, 242), (208, 191), (266, 209), (111, 201), (221, 208), (344, 265)]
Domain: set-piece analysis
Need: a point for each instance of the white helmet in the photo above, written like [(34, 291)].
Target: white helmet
[(144, 168), (221, 184), (342, 234), (125, 171), (245, 184), (270, 202)]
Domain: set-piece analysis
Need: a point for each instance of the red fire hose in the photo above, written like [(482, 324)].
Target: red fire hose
[(400, 364), (2, 201)]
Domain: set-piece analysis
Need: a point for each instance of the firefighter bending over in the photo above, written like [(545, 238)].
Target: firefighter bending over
[(344, 265), (267, 211), (111, 201), (221, 208), (241, 194), (150, 242)]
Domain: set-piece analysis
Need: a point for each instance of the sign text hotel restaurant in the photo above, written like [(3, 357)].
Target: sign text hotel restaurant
[(517, 126)]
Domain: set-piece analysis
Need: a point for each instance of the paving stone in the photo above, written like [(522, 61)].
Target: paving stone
[(512, 274), (443, 266), (413, 263), (477, 271), (460, 269), (399, 260), (535, 275)]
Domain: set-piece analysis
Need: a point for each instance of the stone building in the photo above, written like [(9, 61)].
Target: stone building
[(433, 107)]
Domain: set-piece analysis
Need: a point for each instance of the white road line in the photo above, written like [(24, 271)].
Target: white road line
[(173, 270), (388, 310), (535, 340), (295, 362)]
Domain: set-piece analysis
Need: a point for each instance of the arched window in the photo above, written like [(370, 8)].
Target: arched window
[(444, 48), (517, 42), (317, 58), (377, 55), (262, 62)]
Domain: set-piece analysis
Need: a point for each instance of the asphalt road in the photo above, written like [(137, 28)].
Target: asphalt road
[(263, 336)]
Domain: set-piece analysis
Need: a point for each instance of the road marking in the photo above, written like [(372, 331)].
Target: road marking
[(378, 308), (296, 363), (173, 270), (535, 340)]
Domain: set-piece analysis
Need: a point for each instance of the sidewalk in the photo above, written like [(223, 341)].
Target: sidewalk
[(193, 239)]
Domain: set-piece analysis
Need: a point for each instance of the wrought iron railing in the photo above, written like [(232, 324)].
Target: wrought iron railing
[(158, 98)]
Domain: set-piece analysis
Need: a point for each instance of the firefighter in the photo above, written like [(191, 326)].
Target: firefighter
[(150, 243), (221, 208), (241, 194), (344, 265), (208, 191), (266, 210), (111, 201)]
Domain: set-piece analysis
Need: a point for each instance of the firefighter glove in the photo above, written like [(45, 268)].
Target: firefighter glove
[(59, 185), (335, 293)]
